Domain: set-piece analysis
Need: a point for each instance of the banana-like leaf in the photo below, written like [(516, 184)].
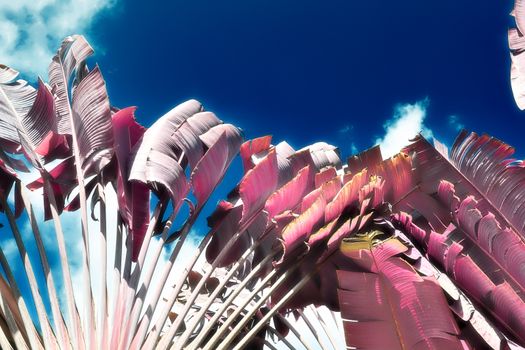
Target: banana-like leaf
[(227, 227), (478, 166), (484, 160), (251, 148), (40, 127), (385, 304), (517, 47), (291, 194), (16, 99), (63, 181), (258, 184), (158, 156), (8, 178), (212, 166), (261, 188), (324, 155), (297, 231), (92, 119), (495, 255), (328, 190), (185, 136), (27, 121), (324, 176), (7, 74), (133, 197), (346, 196), (223, 142), (68, 59), (519, 14), (369, 159), (481, 256)]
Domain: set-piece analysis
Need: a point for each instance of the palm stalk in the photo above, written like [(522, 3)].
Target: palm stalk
[(310, 327), (322, 321), (4, 342), (263, 321), (34, 337), (240, 308), (63, 336), (228, 302), (74, 318), (151, 338), (48, 335), (304, 342), (89, 306), (13, 316), (146, 276), (181, 341), (103, 310), (144, 323), (130, 280), (166, 339)]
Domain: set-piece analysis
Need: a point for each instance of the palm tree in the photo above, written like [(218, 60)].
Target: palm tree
[(421, 250)]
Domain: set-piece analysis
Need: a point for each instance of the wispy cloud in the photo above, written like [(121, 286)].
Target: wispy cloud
[(353, 148), (407, 122), (346, 129), (31, 30), (455, 123)]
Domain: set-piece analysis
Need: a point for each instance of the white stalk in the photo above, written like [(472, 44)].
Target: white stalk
[(48, 335), (74, 318), (130, 280), (166, 339), (141, 293), (65, 341), (102, 311), (225, 305), (298, 336), (281, 338), (34, 337), (4, 342), (262, 322), (181, 342), (310, 327), (89, 321), (324, 325), (151, 339), (11, 312), (229, 320), (144, 323)]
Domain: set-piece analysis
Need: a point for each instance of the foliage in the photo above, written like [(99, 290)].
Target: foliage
[(424, 248)]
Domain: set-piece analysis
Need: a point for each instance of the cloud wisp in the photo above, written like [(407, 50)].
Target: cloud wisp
[(455, 123), (30, 30), (407, 122)]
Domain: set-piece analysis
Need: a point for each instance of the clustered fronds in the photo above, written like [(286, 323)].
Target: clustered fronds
[(421, 250)]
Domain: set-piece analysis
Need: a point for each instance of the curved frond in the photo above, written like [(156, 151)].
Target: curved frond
[(68, 60), (92, 117), (385, 304)]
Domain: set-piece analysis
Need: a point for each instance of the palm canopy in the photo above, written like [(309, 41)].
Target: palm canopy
[(425, 248)]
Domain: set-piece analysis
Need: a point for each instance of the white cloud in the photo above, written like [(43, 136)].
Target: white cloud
[(353, 148), (407, 122), (455, 123), (31, 30)]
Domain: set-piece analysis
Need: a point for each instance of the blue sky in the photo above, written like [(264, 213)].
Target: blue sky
[(309, 70), (351, 73), (300, 70)]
